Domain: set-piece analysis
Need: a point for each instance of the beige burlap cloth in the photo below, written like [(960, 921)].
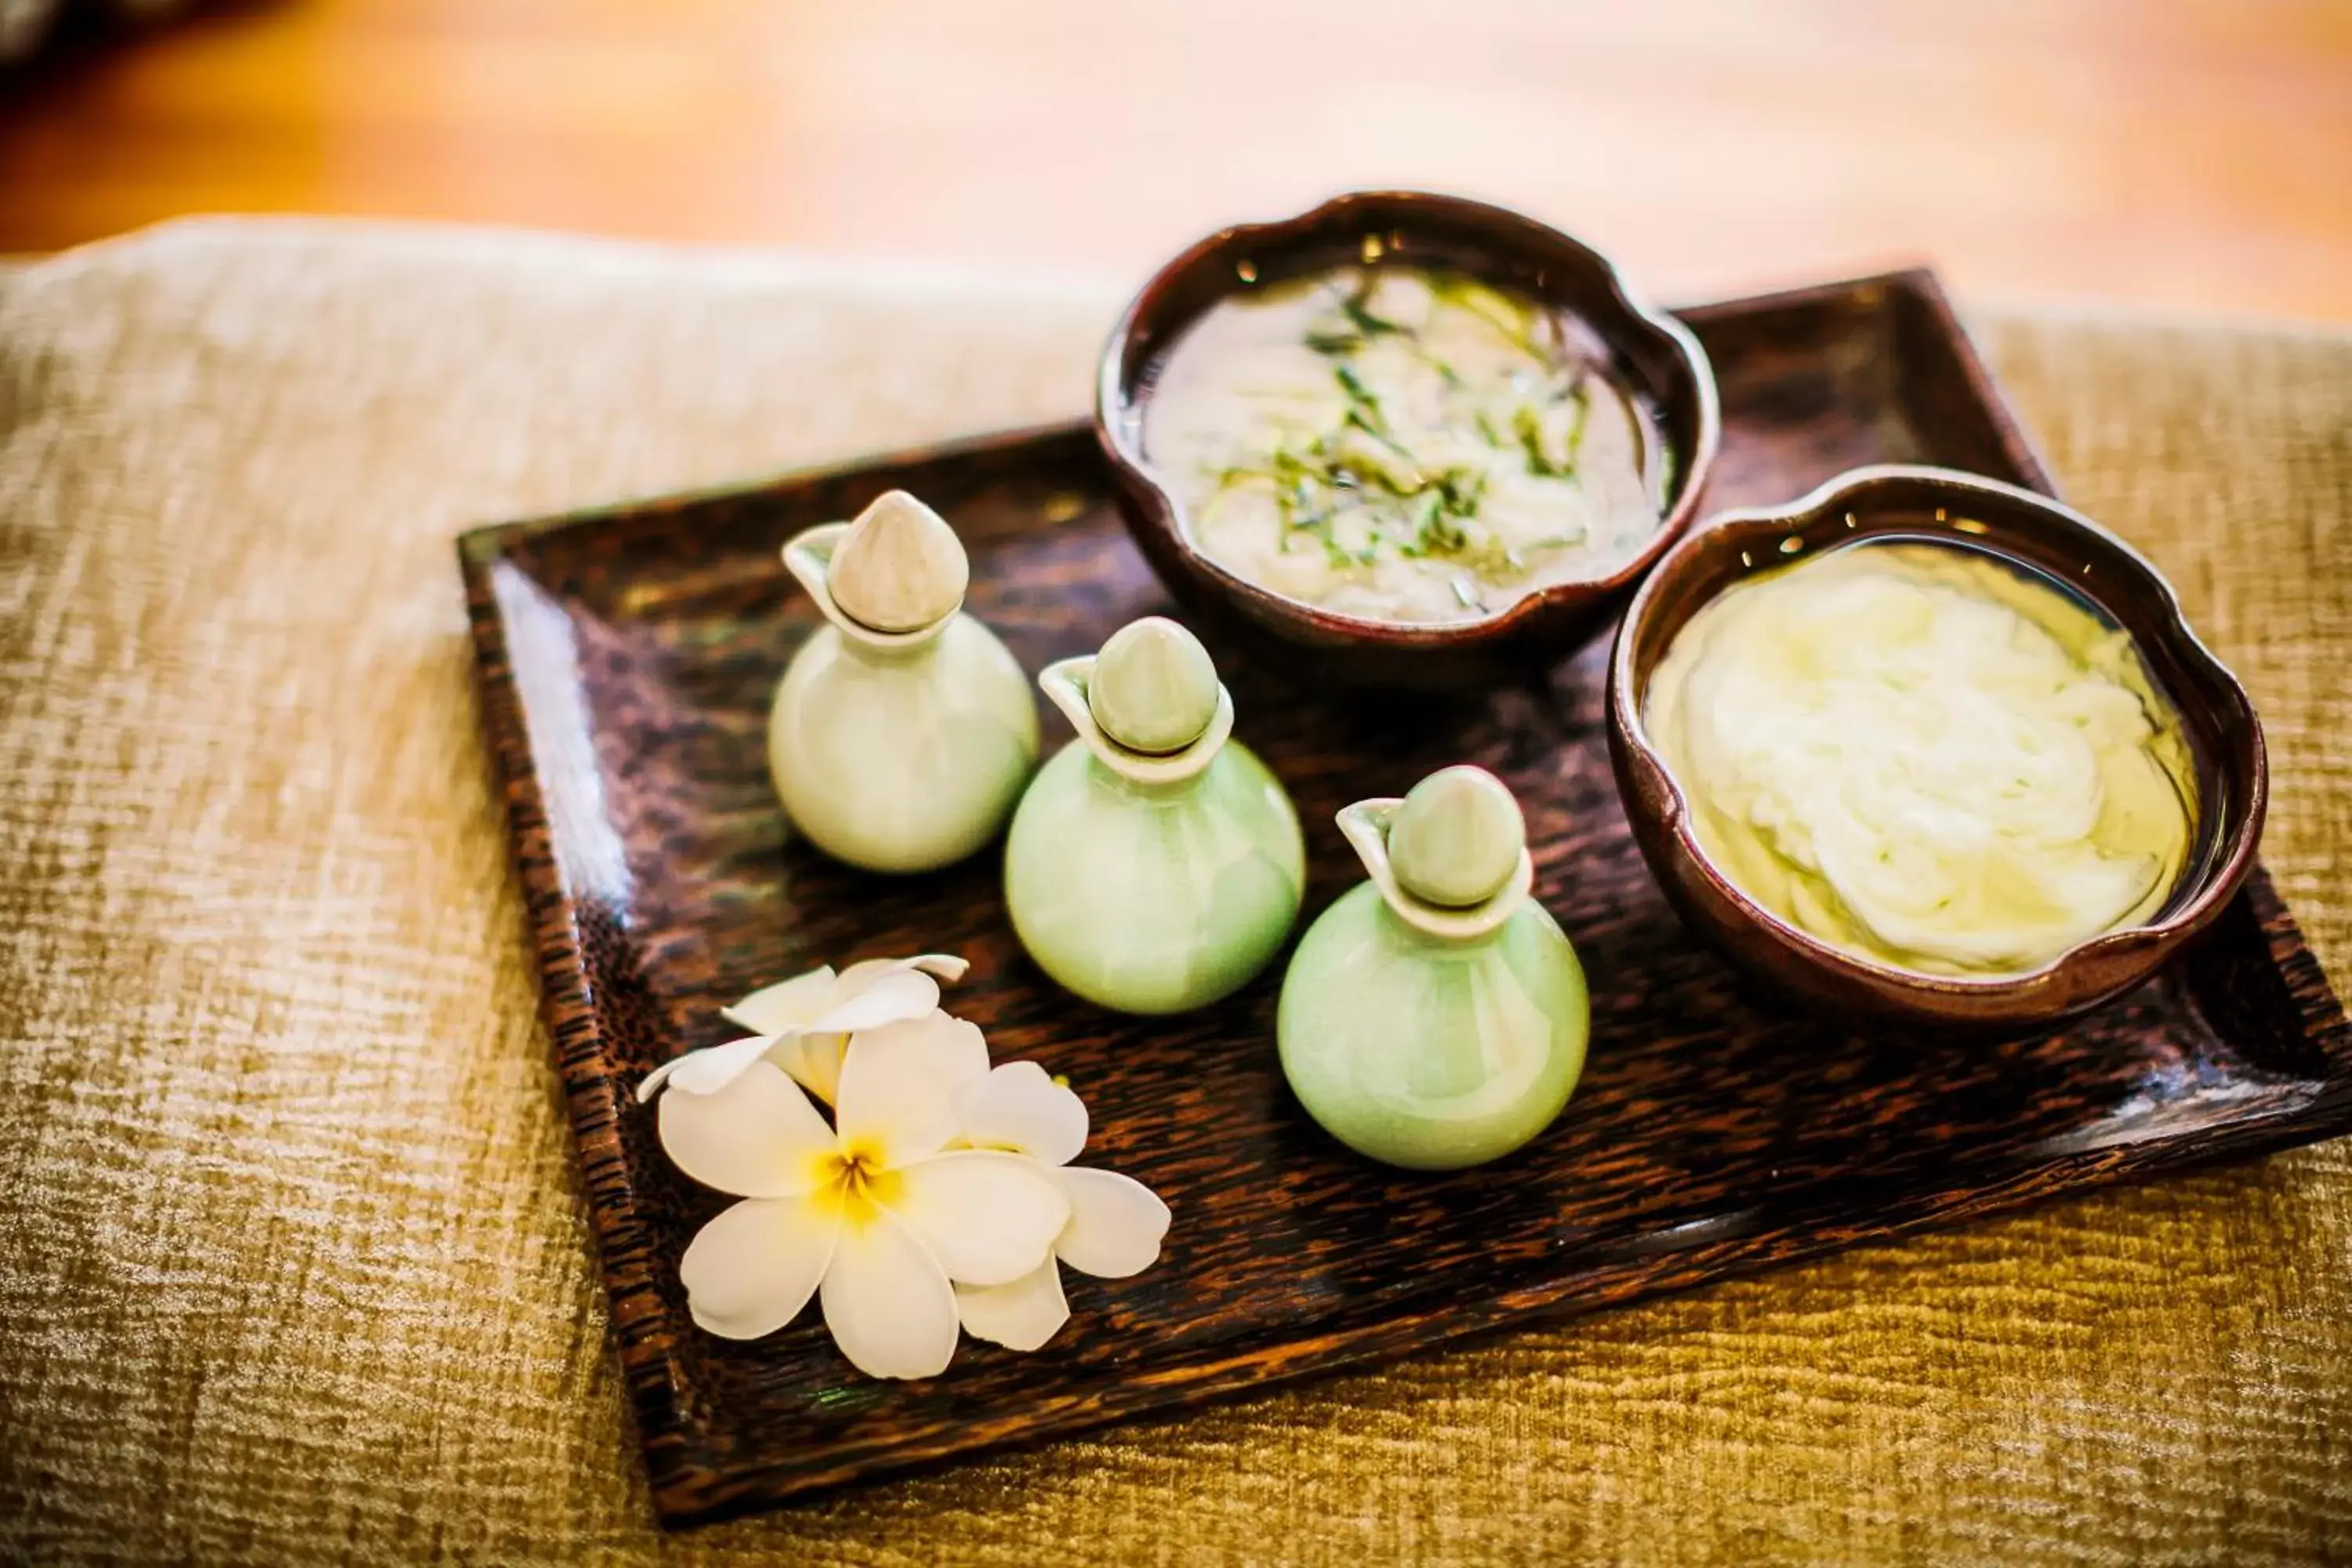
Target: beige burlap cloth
[(292, 1265)]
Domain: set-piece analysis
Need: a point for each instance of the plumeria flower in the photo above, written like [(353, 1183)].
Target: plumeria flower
[(876, 1217), (1116, 1222), (803, 1024)]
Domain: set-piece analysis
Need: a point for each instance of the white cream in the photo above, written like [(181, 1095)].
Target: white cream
[(1918, 754)]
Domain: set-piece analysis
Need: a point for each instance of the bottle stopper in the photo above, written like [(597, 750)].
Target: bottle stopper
[(1456, 839), (899, 568), (1154, 689)]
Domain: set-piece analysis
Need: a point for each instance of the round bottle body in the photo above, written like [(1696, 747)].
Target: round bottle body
[(902, 760), (1154, 898), (1426, 1054)]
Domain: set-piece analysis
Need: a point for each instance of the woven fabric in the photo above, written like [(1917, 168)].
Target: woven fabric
[(292, 1262)]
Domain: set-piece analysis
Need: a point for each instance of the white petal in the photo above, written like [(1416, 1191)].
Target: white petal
[(813, 1061), (785, 1005), (1020, 1316), (706, 1071), (757, 1138), (898, 1085), (750, 1271), (1020, 1107), (891, 1309), (865, 971), (890, 998), (989, 1217), (1116, 1223)]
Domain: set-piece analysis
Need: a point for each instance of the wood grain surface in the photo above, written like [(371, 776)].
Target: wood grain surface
[(2186, 154), (627, 660)]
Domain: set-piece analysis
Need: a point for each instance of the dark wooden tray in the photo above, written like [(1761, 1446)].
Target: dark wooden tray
[(627, 659)]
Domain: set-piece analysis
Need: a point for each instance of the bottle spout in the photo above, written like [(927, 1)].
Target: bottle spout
[(891, 578), (1149, 704), (1450, 859)]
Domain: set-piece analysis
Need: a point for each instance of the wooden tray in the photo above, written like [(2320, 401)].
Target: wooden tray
[(627, 659)]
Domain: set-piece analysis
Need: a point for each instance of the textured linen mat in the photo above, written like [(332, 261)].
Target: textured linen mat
[(292, 1262)]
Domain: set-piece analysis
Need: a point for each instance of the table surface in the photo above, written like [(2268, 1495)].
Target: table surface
[(2188, 156)]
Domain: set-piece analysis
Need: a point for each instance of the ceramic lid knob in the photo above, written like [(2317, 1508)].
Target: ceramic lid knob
[(899, 568), (1456, 839), (1154, 689)]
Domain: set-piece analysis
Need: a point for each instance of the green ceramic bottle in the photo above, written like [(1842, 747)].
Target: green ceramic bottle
[(903, 731), (1434, 1017), (1154, 865)]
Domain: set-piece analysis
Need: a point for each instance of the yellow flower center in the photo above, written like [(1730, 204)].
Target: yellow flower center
[(854, 1179)]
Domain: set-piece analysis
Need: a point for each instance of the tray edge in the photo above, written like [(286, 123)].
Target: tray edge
[(681, 1497)]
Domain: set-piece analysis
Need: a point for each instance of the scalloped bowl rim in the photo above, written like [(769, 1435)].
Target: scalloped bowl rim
[(1110, 429), (2193, 913)]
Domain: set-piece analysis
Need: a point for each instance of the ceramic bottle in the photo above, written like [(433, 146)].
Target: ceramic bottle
[(1434, 1017), (903, 731), (1154, 865)]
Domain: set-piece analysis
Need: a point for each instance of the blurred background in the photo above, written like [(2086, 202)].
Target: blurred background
[(2192, 153)]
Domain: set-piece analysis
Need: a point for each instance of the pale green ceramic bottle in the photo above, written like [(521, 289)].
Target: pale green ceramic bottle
[(1434, 1017), (1154, 865), (903, 731)]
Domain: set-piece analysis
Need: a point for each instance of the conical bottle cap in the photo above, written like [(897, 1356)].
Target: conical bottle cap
[(899, 568), (1456, 839), (1154, 689)]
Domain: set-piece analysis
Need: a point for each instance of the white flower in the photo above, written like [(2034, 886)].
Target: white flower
[(803, 1024), (941, 1195), (1115, 1226), (877, 1216)]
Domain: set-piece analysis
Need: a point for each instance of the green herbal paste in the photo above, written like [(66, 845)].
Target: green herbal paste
[(1402, 445)]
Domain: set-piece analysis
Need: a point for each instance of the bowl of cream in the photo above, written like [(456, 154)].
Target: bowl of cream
[(1404, 439), (1931, 747)]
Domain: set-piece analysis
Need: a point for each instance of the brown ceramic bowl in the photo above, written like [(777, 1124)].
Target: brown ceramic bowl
[(1656, 355), (2225, 741)]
